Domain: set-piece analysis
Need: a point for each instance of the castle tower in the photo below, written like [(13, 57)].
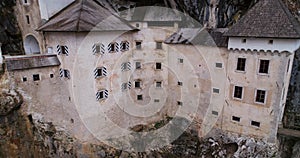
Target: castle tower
[(261, 51)]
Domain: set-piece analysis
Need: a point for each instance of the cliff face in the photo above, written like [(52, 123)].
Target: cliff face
[(10, 35)]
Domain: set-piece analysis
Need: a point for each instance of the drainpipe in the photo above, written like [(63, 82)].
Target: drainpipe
[(1, 58)]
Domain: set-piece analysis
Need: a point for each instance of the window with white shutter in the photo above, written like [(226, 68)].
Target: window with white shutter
[(62, 50), (126, 66), (100, 72), (124, 46), (126, 86), (101, 94), (113, 47), (98, 48), (64, 73)]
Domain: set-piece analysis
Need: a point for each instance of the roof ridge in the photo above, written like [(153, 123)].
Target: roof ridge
[(79, 15)]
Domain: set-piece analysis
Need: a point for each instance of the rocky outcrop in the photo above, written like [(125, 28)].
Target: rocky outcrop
[(10, 35)]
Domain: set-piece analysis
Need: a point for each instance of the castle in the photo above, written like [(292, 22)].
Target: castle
[(79, 54)]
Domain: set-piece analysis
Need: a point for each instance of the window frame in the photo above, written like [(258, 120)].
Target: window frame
[(233, 94), (36, 75), (158, 45), (138, 46), (158, 83), (158, 64), (259, 67), (237, 64), (265, 98)]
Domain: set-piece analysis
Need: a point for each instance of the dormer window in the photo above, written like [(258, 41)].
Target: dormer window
[(244, 40)]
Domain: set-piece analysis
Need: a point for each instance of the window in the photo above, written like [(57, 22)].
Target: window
[(244, 40), (219, 65), (126, 66), (236, 119), (260, 96), (158, 84), (264, 66), (137, 84), (139, 97), (215, 113), (51, 75), (36, 77), (113, 47), (138, 45), (179, 103), (64, 73), (98, 48), (255, 123), (137, 25), (180, 60), (124, 46), (238, 92), (49, 50), (288, 65), (62, 50), (241, 64), (100, 72), (156, 100), (158, 45), (138, 65), (158, 66), (24, 79), (126, 86), (27, 19), (25, 1), (271, 41), (216, 90), (101, 94), (179, 83)]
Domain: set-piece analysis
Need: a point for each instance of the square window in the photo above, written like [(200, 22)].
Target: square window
[(244, 40), (215, 113), (216, 90), (237, 119), (180, 60), (219, 65), (180, 83), (260, 96), (137, 84), (51, 75), (36, 77), (264, 66), (271, 41), (158, 45), (255, 123), (158, 66), (139, 97), (138, 45), (238, 92), (179, 103), (24, 79), (138, 65), (158, 84), (241, 64)]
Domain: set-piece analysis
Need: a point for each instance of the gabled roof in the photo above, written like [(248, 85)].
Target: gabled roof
[(267, 18), (198, 36), (30, 61), (85, 15)]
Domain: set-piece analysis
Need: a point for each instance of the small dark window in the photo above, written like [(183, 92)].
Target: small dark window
[(158, 84), (215, 113), (260, 96), (158, 45), (124, 46), (139, 97), (241, 64), (238, 92), (25, 1), (137, 25), (27, 19), (112, 47), (179, 103), (244, 40), (254, 123), (180, 60), (137, 84), (156, 100), (138, 65), (158, 66), (24, 79), (216, 90), (180, 83), (271, 41), (237, 119), (264, 66), (36, 77), (219, 65), (138, 45), (51, 75)]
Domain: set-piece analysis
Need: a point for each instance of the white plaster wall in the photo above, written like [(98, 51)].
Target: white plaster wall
[(258, 44)]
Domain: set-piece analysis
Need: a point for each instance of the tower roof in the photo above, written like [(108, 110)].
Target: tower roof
[(267, 18), (85, 15)]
